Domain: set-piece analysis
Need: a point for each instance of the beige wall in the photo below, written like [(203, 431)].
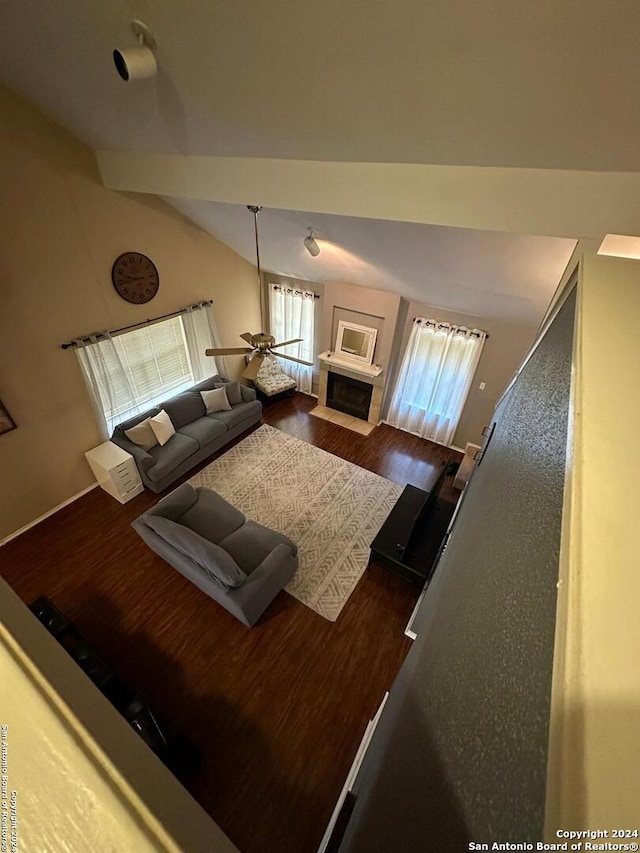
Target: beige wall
[(362, 301), (61, 231), (503, 353)]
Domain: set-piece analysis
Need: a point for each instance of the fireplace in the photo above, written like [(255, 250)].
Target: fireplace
[(348, 395), (353, 389)]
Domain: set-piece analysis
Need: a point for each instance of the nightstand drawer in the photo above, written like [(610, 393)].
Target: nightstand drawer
[(126, 468), (129, 472), (133, 491), (124, 486)]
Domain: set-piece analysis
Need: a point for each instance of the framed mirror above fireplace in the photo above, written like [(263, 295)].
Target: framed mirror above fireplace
[(356, 342)]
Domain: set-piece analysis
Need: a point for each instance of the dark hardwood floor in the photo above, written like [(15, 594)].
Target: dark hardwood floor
[(277, 710)]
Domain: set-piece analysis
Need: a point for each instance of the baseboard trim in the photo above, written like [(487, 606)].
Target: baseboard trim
[(40, 518), (448, 446)]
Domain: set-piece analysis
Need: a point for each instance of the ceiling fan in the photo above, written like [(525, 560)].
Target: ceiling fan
[(260, 344)]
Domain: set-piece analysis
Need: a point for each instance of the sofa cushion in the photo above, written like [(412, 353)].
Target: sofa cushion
[(209, 384), (121, 429), (162, 427), (251, 543), (184, 408), (176, 450), (234, 394), (203, 430), (247, 394), (175, 504), (239, 413), (142, 434), (211, 558), (212, 517), (216, 400)]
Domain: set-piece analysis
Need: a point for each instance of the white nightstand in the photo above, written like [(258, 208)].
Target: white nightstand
[(115, 471)]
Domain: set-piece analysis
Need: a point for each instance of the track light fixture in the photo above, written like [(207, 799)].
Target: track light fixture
[(311, 245)]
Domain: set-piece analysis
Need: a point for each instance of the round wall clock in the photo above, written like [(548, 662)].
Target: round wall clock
[(135, 277)]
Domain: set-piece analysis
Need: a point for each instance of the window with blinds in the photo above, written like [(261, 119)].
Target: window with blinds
[(148, 365)]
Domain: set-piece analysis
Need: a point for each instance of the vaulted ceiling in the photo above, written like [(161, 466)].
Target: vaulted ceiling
[(511, 117), (544, 85), (484, 273)]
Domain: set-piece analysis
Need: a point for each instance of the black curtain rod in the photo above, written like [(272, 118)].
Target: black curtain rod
[(293, 290), (71, 344), (448, 325)]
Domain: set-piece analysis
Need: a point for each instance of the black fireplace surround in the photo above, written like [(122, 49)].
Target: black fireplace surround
[(350, 396)]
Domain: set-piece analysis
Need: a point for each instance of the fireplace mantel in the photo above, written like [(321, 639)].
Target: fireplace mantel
[(364, 371), (369, 373)]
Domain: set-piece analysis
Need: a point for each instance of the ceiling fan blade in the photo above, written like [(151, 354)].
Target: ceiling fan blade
[(253, 368), (286, 343), (291, 358), (246, 336), (228, 351)]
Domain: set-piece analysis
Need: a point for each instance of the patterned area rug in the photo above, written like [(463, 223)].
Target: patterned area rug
[(332, 509)]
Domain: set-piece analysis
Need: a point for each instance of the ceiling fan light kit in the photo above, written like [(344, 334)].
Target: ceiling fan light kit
[(311, 245), (137, 63)]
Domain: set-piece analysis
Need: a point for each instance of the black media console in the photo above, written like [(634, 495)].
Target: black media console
[(408, 542)]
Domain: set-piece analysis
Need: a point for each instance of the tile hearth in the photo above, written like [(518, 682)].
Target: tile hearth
[(347, 421)]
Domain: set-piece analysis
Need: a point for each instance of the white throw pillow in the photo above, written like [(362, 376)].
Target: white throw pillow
[(216, 401), (162, 427), (142, 435)]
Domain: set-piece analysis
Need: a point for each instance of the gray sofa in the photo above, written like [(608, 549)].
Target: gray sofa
[(198, 435), (240, 564)]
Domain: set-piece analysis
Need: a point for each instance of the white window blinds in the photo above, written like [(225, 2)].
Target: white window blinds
[(156, 360), (134, 371)]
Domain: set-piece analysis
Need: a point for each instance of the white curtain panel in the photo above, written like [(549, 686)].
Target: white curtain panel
[(201, 333), (435, 377), (292, 314), (107, 380)]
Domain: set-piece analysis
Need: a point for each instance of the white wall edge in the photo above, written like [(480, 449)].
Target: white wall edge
[(408, 631), (489, 198), (566, 651), (40, 518)]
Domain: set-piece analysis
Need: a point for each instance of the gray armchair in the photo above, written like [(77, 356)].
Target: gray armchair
[(240, 564)]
